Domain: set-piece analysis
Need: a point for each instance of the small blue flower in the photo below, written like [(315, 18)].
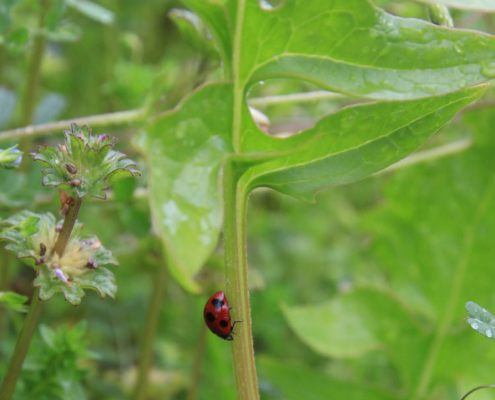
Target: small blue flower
[(19, 159)]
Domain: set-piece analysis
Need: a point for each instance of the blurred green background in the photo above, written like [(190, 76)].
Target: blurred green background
[(360, 295)]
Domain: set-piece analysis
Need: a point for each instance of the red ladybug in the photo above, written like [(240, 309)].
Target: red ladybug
[(217, 316)]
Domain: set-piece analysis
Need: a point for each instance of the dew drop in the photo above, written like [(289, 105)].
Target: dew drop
[(458, 49), (474, 325), (489, 333)]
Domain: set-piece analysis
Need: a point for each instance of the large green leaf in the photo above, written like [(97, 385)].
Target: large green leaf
[(184, 150), (305, 40), (358, 141), (350, 46), (284, 381), (431, 252)]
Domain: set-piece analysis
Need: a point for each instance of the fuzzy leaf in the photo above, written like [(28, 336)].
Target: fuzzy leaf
[(25, 231), (86, 165), (101, 279), (481, 320)]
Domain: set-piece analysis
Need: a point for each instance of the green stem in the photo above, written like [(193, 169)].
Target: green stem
[(234, 231), (68, 225), (198, 363), (150, 330), (92, 120), (33, 82), (4, 285), (21, 348)]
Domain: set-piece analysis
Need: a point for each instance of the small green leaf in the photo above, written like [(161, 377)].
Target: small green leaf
[(481, 320), (92, 10), (13, 301), (27, 247), (86, 165)]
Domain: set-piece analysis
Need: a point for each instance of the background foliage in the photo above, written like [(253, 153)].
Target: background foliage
[(360, 295)]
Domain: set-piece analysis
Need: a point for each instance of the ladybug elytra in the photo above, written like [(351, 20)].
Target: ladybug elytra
[(217, 316)]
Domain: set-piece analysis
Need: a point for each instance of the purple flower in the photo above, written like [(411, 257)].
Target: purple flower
[(19, 159)]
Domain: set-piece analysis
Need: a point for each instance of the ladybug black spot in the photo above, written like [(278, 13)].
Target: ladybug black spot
[(224, 323), (210, 317), (218, 304)]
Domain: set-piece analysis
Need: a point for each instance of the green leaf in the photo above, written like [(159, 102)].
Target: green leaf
[(101, 279), (357, 141), (284, 380), (480, 5), (353, 324), (481, 320), (25, 231), (184, 151), (216, 17), (13, 301), (92, 10), (87, 164), (430, 252), (355, 48), (64, 32)]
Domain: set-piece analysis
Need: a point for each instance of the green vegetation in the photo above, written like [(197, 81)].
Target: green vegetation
[(329, 165)]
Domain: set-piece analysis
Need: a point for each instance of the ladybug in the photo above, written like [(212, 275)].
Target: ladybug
[(217, 316)]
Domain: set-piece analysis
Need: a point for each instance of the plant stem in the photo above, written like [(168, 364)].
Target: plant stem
[(33, 82), (21, 348), (236, 282), (198, 363), (93, 121), (4, 285), (148, 337), (68, 225)]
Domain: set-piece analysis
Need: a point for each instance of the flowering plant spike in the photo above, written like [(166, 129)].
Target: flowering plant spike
[(86, 164), (32, 238)]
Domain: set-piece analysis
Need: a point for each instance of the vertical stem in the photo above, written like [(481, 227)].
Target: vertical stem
[(236, 281), (34, 70), (148, 338), (4, 285), (68, 225), (22, 345), (198, 363), (21, 348)]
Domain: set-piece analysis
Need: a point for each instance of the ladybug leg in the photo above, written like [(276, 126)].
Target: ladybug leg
[(233, 326)]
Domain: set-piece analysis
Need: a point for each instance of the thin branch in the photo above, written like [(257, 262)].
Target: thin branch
[(115, 118)]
